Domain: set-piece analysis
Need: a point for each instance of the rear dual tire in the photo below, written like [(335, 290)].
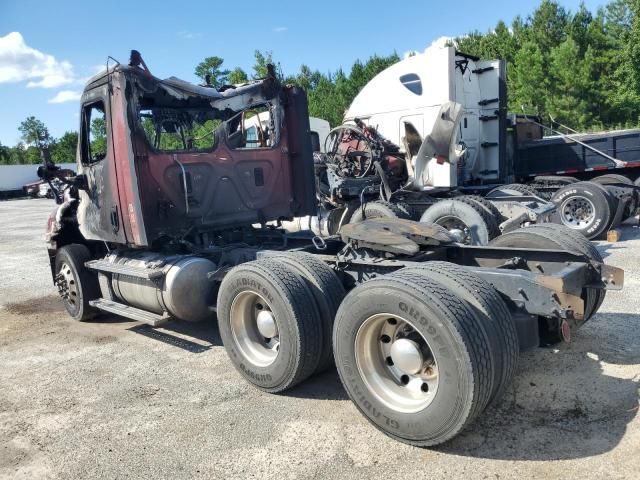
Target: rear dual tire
[(381, 209), (414, 357), (468, 220), (553, 236), (275, 317), (585, 207), (327, 291), (490, 308), (269, 324)]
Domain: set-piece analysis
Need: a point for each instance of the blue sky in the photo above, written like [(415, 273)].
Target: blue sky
[(61, 43)]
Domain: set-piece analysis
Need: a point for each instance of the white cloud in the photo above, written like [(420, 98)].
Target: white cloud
[(280, 29), (190, 35), (65, 96), (19, 63), (437, 44)]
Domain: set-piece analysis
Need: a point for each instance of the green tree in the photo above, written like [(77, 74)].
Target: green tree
[(548, 25), (622, 27), (261, 62), (569, 84), (32, 155), (5, 152), (98, 137), (470, 43), (527, 80), (237, 75), (632, 47), (34, 132), (324, 103), (499, 44), (18, 155), (591, 81), (211, 67), (63, 150), (578, 28)]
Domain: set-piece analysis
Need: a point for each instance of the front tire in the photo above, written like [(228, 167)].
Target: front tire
[(76, 285)]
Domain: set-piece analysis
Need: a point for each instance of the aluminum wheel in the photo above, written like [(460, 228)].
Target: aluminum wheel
[(577, 212), (68, 286), (396, 363), (254, 328), (457, 228)]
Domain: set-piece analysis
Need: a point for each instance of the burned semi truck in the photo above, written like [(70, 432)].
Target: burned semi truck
[(430, 139), (169, 218)]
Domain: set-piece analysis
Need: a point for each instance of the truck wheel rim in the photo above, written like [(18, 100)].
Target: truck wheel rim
[(396, 363), (577, 212), (457, 228), (255, 329), (68, 287)]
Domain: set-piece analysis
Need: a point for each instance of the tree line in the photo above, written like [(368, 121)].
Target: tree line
[(581, 68), (35, 137)]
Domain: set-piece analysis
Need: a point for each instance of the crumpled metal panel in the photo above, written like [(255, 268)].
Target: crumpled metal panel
[(394, 235)]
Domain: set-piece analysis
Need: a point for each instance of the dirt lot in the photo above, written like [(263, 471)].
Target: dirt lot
[(113, 399)]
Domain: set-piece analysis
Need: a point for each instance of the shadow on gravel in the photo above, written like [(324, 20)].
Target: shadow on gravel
[(326, 386), (174, 334), (562, 405)]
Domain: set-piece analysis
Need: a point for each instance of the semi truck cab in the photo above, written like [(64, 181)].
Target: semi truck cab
[(404, 102)]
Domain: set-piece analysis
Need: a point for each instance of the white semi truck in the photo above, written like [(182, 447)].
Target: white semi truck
[(438, 127)]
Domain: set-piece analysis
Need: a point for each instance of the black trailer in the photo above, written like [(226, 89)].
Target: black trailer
[(592, 178)]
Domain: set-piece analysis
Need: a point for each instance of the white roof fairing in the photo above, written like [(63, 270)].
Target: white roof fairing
[(386, 92)]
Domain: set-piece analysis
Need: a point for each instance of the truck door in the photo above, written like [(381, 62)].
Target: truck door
[(99, 212)]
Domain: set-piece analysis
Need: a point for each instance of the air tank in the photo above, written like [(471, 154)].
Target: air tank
[(184, 291)]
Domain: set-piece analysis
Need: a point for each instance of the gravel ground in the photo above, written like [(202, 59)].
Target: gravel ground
[(113, 399)]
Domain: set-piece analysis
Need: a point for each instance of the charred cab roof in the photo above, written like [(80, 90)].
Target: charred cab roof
[(240, 94)]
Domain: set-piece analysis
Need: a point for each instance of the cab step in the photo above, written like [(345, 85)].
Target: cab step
[(137, 272), (150, 318)]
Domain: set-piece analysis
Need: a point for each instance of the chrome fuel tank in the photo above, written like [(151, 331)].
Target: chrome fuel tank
[(183, 290)]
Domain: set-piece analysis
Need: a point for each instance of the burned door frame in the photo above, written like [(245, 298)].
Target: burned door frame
[(99, 211)]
